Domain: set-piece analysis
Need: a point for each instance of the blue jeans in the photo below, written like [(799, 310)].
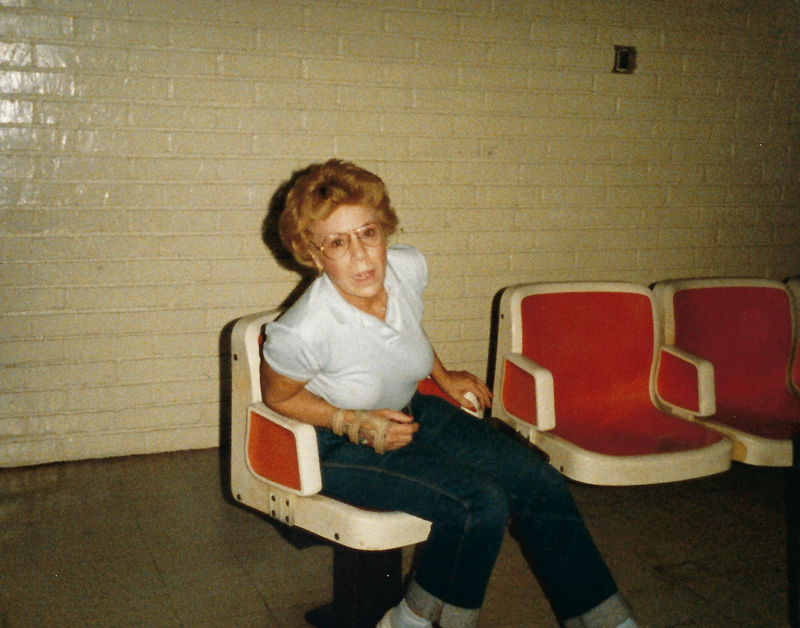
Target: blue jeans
[(467, 479)]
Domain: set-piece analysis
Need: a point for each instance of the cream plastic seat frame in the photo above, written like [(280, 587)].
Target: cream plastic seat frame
[(284, 483)]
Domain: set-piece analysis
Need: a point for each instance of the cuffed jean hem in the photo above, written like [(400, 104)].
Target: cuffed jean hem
[(433, 609), (609, 614)]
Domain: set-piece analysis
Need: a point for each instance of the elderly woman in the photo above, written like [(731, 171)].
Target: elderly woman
[(347, 358)]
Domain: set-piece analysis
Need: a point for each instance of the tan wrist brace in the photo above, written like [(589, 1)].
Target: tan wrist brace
[(338, 421), (366, 428)]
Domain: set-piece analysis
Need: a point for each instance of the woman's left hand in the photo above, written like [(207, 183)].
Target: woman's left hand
[(457, 383)]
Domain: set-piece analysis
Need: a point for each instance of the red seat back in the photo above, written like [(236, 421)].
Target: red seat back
[(598, 346), (745, 332)]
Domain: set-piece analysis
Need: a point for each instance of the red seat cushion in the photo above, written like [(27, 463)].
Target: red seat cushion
[(631, 430)]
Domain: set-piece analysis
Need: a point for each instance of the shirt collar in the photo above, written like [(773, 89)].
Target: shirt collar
[(347, 313)]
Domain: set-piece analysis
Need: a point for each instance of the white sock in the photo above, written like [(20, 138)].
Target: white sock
[(628, 623), (403, 617)]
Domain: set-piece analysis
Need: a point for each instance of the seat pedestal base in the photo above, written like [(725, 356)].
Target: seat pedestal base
[(793, 535), (365, 586)]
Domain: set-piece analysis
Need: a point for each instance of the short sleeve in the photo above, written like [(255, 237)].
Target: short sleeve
[(410, 266), (288, 354)]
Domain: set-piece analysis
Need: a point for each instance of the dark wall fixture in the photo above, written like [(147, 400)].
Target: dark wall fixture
[(624, 59)]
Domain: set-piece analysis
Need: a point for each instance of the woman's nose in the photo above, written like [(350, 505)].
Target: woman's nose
[(357, 248)]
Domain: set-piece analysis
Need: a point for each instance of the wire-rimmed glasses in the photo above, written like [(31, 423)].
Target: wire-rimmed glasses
[(335, 245)]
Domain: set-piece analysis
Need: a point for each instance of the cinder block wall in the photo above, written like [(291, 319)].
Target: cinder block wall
[(142, 141)]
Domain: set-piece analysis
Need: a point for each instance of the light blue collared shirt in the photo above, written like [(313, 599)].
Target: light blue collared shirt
[(352, 359)]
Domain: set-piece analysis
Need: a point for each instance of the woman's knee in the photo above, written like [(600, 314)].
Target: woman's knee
[(549, 499), (488, 507)]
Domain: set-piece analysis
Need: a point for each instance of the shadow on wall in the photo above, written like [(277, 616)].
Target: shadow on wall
[(271, 237), (225, 386)]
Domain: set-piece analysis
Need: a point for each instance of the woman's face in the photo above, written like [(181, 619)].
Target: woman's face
[(359, 274)]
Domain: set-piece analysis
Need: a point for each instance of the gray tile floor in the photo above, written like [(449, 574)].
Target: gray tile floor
[(151, 541)]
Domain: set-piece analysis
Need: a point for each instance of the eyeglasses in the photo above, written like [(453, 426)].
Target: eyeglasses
[(335, 245)]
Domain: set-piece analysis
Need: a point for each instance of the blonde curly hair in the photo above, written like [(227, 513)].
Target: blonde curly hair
[(319, 191)]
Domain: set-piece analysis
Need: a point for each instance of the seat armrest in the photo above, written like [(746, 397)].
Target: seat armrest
[(429, 387), (282, 451), (685, 382), (526, 393)]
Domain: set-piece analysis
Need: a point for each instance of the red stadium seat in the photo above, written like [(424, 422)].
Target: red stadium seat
[(581, 372), (745, 328)]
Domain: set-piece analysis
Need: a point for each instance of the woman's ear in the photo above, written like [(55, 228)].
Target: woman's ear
[(304, 254), (317, 263)]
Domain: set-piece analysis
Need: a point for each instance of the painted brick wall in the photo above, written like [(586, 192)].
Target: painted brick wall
[(142, 141)]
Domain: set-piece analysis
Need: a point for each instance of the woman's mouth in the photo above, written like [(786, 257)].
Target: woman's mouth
[(367, 275)]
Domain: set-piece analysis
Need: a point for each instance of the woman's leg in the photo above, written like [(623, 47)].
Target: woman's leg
[(467, 478), (569, 566), (468, 511)]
